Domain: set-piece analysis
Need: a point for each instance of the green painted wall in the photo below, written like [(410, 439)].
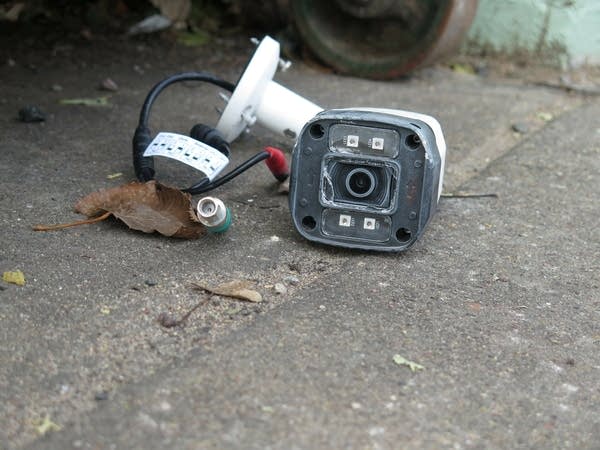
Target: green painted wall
[(564, 32)]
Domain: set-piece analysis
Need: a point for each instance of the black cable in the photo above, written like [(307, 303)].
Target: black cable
[(144, 166), (185, 76), (203, 186)]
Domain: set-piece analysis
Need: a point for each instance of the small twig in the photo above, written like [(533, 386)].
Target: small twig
[(168, 321), (60, 226), (468, 195), (583, 90)]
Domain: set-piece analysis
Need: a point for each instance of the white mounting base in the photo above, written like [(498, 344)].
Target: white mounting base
[(259, 99)]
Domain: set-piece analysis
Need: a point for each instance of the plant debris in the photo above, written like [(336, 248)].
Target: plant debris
[(468, 195), (98, 101), (60, 226), (168, 321), (15, 277), (239, 289), (467, 69), (146, 207), (44, 424), (402, 361)]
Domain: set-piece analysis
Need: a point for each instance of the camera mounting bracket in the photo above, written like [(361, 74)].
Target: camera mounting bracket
[(259, 99)]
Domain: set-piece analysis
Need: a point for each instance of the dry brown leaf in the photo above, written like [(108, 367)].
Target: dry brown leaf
[(236, 289), (147, 207)]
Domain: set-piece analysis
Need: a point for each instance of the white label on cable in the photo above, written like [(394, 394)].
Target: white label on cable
[(189, 151)]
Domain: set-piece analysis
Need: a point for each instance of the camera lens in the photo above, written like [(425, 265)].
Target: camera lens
[(360, 182)]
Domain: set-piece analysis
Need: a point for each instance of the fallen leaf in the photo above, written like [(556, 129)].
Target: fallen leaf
[(16, 277), (545, 116), (146, 207), (44, 424), (239, 289), (98, 101), (402, 361), (463, 68)]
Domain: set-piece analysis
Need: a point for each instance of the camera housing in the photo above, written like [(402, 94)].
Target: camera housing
[(366, 178)]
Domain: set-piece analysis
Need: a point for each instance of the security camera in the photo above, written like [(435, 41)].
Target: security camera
[(366, 178)]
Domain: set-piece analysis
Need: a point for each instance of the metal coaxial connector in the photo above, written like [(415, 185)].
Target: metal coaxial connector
[(213, 214)]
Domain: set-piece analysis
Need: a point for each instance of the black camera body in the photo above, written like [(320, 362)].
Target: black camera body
[(366, 178)]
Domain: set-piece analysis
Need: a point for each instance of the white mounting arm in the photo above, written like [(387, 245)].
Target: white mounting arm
[(259, 99)]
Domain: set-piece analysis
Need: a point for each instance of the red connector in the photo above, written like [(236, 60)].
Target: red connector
[(277, 163)]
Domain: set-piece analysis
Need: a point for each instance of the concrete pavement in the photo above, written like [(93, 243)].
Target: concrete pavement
[(499, 302)]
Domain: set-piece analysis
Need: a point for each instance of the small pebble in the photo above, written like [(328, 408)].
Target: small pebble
[(31, 114), (520, 127), (57, 87), (165, 406), (100, 396), (280, 288), (11, 62), (291, 279), (108, 85), (482, 69)]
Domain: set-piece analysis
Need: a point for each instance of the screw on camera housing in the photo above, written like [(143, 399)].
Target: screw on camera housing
[(366, 178)]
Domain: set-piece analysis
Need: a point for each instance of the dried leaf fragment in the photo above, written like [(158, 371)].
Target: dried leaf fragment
[(98, 101), (545, 116), (15, 277), (402, 361), (146, 207), (44, 424), (239, 289)]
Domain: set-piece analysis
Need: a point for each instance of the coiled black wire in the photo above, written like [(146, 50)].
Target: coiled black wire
[(144, 166)]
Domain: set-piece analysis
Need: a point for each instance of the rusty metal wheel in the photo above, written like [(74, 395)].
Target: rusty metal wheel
[(382, 38)]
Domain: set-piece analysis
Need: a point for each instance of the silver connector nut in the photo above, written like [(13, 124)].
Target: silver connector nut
[(211, 212)]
